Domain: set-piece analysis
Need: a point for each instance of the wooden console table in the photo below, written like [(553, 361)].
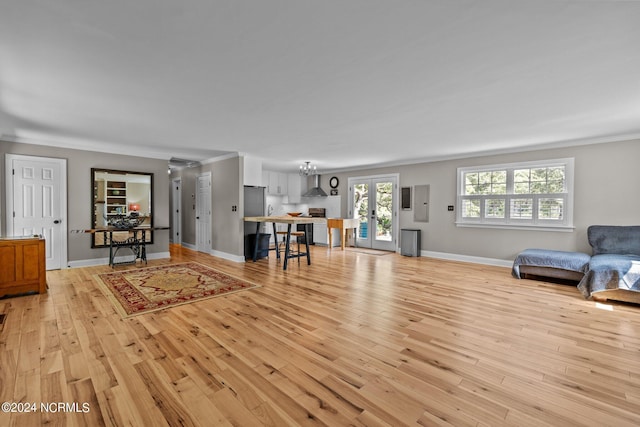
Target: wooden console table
[(136, 242), (344, 225), (22, 265)]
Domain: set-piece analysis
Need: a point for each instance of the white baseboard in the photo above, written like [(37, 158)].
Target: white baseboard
[(468, 258), (238, 258), (105, 261), (213, 252), (227, 256)]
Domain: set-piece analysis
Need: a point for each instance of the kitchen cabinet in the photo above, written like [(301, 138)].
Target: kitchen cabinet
[(277, 183), (320, 236), (284, 184), (295, 188), (22, 265), (252, 171)]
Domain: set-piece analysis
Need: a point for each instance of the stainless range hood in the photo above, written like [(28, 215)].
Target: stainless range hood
[(316, 191)]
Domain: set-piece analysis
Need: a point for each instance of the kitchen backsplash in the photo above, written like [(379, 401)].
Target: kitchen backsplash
[(331, 204)]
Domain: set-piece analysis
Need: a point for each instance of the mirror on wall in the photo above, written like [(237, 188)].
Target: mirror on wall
[(120, 199)]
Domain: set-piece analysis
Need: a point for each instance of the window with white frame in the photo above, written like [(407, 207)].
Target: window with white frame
[(530, 194)]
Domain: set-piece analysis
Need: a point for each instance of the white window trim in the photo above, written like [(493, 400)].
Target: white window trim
[(515, 223)]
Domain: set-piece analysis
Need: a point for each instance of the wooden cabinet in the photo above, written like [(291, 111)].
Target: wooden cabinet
[(22, 266)]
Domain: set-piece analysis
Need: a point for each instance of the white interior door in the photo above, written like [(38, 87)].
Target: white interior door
[(176, 204), (36, 203), (203, 213), (373, 200)]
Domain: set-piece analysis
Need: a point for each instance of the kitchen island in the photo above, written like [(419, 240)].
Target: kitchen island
[(344, 225), (289, 220)]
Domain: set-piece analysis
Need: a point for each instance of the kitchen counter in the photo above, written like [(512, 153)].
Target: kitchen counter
[(284, 219)]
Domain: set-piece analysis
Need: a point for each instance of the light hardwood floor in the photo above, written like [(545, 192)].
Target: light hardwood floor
[(353, 339)]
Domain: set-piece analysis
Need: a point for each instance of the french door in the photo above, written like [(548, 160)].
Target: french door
[(373, 200)]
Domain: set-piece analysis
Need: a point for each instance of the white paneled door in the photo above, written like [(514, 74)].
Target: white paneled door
[(203, 213), (36, 203), (176, 204)]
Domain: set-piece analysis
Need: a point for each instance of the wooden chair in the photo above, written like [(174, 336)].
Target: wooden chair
[(294, 252)]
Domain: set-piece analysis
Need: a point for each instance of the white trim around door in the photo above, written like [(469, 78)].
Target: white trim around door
[(40, 184), (203, 212), (378, 210), (176, 211)]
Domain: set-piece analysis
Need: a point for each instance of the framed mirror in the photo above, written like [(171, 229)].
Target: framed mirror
[(122, 200)]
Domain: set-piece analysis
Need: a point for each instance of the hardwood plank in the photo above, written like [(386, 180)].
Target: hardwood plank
[(352, 339)]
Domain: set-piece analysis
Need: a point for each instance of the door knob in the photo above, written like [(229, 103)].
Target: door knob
[(57, 221)]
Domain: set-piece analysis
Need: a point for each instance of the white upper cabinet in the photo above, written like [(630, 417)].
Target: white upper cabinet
[(277, 183), (252, 171), (283, 184), (295, 188)]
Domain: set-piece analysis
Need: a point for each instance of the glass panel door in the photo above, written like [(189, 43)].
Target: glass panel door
[(373, 202), (383, 212), (361, 211)]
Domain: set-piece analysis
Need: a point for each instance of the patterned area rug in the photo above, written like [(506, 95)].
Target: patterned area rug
[(144, 290)]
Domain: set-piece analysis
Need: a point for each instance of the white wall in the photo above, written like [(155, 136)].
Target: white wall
[(607, 185), (80, 193)]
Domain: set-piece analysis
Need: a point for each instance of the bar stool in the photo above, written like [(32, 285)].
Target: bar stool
[(293, 251)]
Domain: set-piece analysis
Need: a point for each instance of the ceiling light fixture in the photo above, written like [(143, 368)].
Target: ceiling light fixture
[(307, 169)]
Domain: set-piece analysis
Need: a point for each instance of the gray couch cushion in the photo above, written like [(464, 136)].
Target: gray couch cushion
[(570, 261), (613, 239)]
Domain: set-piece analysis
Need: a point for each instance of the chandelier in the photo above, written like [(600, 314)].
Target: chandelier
[(307, 169)]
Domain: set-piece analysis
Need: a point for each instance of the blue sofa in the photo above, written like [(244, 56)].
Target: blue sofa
[(614, 267), (611, 272)]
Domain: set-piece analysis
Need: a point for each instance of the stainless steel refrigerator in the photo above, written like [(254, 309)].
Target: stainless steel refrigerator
[(254, 205)]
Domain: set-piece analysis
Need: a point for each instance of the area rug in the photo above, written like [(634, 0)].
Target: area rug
[(144, 290)]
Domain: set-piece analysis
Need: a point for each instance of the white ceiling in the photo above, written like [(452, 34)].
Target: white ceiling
[(342, 83)]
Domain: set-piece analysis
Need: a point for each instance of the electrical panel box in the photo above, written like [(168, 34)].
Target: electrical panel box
[(421, 203)]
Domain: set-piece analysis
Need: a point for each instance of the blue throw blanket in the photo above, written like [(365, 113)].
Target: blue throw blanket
[(611, 271), (571, 261)]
